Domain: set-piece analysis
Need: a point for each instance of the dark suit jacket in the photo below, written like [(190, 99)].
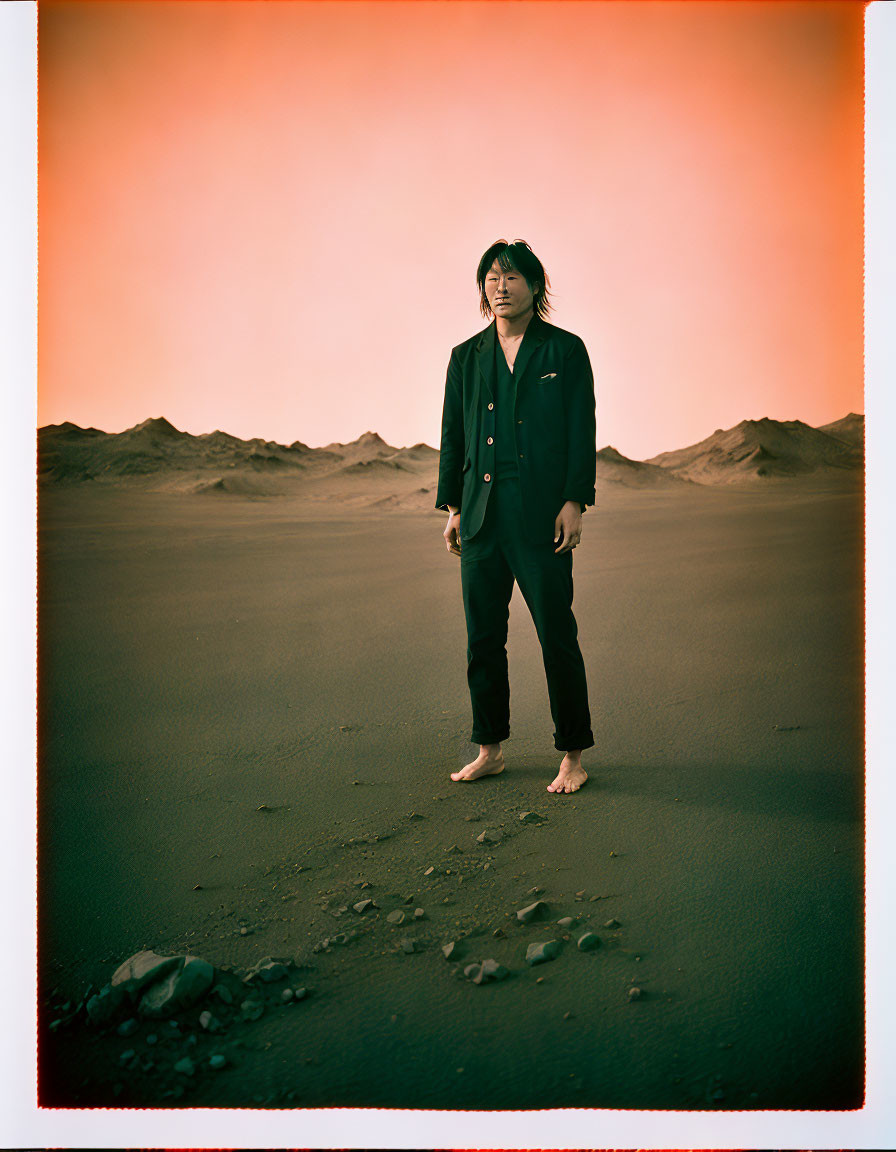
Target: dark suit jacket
[(554, 422)]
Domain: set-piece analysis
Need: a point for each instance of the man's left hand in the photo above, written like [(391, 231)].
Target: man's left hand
[(568, 526)]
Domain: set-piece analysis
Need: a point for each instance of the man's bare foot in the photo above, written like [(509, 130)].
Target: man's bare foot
[(571, 776), (489, 762)]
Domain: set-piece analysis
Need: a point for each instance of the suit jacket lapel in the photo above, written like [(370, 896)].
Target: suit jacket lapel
[(485, 356), (533, 339)]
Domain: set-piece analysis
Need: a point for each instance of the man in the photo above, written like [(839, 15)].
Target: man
[(516, 472)]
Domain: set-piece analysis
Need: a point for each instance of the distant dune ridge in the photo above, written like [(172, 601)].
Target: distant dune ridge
[(159, 456)]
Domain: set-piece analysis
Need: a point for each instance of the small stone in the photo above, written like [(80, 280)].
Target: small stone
[(566, 921), (128, 1027), (300, 993), (252, 1009), (568, 1015), (539, 980), (127, 1056), (536, 911), (287, 995), (396, 917), (473, 818), (186, 1067), (453, 850), (490, 970), (634, 993), (416, 816), (223, 993), (152, 1038), (540, 953), (197, 887), (582, 893), (419, 914), (532, 818), (363, 905), (409, 899), (429, 871), (181, 988), (612, 853), (408, 946), (612, 924), (268, 970), (217, 1061), (499, 932), (209, 1022), (245, 931), (489, 836), (450, 950), (588, 942), (594, 899)]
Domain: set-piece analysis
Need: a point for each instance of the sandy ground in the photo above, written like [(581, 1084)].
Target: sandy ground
[(265, 698)]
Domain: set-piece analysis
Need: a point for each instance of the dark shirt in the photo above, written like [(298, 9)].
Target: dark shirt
[(506, 463)]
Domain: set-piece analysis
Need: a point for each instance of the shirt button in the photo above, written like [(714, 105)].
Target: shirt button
[(486, 477), (490, 407), (490, 440), (519, 421)]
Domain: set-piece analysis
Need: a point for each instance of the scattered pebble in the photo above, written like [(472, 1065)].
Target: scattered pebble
[(209, 1022), (566, 921), (419, 914), (453, 850), (127, 1056), (299, 993), (128, 1027), (252, 1009), (588, 941), (363, 905), (532, 818), (532, 912), (473, 818), (540, 953), (429, 871), (217, 1061), (245, 931), (634, 993), (223, 993), (268, 971), (486, 972), (539, 980), (197, 888), (186, 1066), (614, 923), (152, 1038), (408, 946), (396, 917), (450, 950), (287, 995), (489, 836), (499, 932), (416, 816), (568, 1015)]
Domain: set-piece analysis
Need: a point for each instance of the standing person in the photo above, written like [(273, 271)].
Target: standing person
[(516, 471)]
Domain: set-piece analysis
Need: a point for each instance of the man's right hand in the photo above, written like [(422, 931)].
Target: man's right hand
[(452, 540)]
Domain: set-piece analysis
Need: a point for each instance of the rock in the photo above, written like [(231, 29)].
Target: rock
[(106, 1004), (363, 905), (252, 1009), (181, 988), (566, 921), (486, 972), (489, 836), (408, 946), (268, 970), (612, 924), (499, 932), (634, 993), (582, 894), (536, 891), (186, 1066), (287, 995), (536, 911), (541, 952), (429, 871), (144, 968), (588, 942), (244, 931), (473, 818), (396, 917), (152, 1038), (416, 816), (450, 950), (419, 914), (453, 850), (127, 1056), (128, 1027), (532, 818), (217, 1061), (209, 1022), (300, 993), (223, 993)]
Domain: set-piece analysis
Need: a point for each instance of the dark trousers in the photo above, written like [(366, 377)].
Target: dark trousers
[(498, 554)]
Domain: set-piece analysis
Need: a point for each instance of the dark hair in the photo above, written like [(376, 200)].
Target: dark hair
[(522, 259)]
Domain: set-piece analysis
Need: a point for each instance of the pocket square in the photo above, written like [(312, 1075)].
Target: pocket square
[(548, 376)]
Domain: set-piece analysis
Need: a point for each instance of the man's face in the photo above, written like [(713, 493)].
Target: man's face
[(508, 294)]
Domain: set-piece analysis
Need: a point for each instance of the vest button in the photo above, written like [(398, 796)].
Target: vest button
[(486, 477), (490, 440), (490, 407)]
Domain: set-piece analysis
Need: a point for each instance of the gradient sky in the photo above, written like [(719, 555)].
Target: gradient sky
[(266, 217)]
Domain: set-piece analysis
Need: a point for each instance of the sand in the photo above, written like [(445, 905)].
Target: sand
[(264, 699)]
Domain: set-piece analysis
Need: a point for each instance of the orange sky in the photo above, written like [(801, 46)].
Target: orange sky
[(266, 217)]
